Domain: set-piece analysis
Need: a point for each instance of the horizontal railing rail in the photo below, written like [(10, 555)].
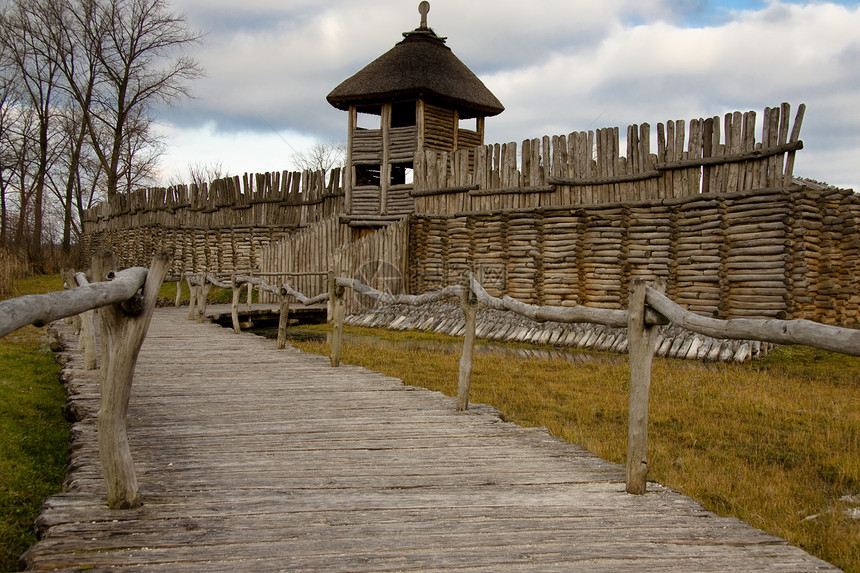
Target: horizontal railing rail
[(41, 309)]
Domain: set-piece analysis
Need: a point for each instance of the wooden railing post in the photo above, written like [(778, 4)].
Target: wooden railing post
[(192, 296), (124, 327), (87, 341), (178, 300), (641, 350), (336, 294), (250, 299), (283, 319), (84, 324), (68, 276), (329, 313), (234, 307), (469, 304), (202, 297)]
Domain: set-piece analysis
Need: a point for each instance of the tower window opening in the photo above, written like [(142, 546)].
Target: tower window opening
[(403, 114), (368, 118), (401, 173), (470, 124), (367, 175)]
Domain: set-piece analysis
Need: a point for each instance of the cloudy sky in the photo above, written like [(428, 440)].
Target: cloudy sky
[(557, 66)]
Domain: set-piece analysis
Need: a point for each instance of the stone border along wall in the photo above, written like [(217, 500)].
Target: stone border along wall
[(782, 253), (217, 227)]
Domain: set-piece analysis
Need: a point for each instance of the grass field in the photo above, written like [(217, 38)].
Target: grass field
[(775, 443), (34, 433)]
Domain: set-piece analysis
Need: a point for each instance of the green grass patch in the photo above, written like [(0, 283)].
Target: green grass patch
[(34, 438), (34, 434), (775, 443)]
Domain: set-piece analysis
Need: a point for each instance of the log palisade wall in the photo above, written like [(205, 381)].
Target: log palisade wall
[(219, 227), (559, 220), (788, 253), (378, 260), (589, 167)]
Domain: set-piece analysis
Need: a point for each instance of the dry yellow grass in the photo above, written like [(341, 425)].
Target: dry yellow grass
[(775, 443)]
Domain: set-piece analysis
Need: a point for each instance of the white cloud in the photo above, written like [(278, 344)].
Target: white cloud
[(556, 65), (236, 152)]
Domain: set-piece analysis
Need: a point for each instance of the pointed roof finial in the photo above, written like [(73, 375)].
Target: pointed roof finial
[(423, 9)]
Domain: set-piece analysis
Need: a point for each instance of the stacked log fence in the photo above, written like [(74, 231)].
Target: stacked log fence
[(781, 253), (219, 227), (704, 155)]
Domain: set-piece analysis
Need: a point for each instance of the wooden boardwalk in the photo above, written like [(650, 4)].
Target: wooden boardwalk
[(254, 459)]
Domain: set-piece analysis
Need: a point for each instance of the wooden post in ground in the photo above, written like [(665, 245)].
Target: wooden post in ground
[(641, 349), (192, 296), (338, 310), (329, 313), (250, 299), (469, 304), (202, 297), (283, 319), (124, 327), (234, 308), (178, 300), (68, 276), (87, 341)]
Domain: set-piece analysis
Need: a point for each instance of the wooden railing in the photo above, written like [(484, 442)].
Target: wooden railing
[(125, 314), (200, 283), (126, 300), (648, 308)]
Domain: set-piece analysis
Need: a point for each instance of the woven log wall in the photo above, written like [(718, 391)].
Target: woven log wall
[(786, 253), (216, 227)]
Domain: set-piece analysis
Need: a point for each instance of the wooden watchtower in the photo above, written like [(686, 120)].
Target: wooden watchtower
[(416, 96)]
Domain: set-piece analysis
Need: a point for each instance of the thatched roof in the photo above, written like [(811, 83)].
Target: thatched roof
[(419, 66)]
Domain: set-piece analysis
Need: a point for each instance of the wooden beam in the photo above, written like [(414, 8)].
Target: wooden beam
[(469, 304), (44, 308), (122, 336), (751, 156), (641, 352), (806, 332)]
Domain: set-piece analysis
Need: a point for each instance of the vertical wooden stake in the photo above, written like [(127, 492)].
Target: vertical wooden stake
[(250, 299), (202, 297), (283, 320), (470, 310), (641, 349), (338, 310), (192, 298), (122, 335), (87, 342), (329, 314), (68, 276), (234, 308), (178, 293)]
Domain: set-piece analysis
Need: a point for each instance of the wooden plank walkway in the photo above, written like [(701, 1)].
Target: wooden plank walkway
[(254, 459)]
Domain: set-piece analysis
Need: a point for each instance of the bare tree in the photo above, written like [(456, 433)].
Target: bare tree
[(199, 172), (7, 144), (79, 80), (320, 157), (34, 61), (132, 45)]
